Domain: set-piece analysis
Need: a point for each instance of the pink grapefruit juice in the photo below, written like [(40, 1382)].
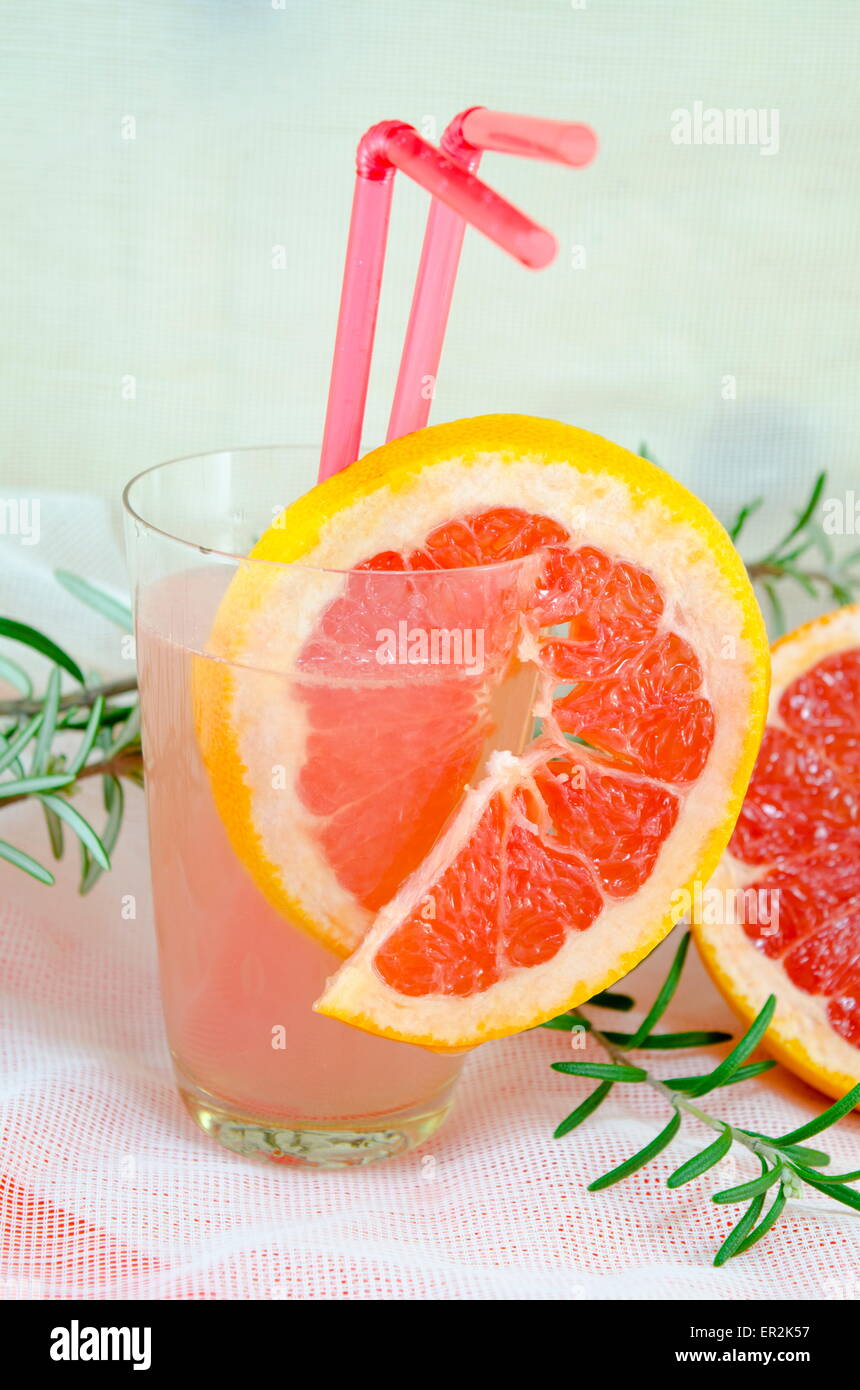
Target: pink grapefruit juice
[(238, 979)]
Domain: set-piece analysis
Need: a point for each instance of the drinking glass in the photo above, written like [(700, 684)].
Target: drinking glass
[(342, 682)]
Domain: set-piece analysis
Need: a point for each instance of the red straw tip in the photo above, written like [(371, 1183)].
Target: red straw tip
[(578, 145), (535, 248)]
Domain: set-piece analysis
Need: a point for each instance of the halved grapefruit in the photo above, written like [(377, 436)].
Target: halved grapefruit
[(504, 883), (795, 853)]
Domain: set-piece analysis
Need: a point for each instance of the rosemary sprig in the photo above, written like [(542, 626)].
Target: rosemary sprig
[(826, 579), (50, 745), (786, 1162), (831, 579), (108, 722)]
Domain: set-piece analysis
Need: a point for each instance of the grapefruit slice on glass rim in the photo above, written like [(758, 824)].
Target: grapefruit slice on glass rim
[(485, 895), (790, 881)]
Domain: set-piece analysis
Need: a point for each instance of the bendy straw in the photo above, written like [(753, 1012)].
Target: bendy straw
[(388, 146), (465, 139)]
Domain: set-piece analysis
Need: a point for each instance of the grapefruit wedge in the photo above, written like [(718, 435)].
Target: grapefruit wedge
[(488, 881), (790, 881)]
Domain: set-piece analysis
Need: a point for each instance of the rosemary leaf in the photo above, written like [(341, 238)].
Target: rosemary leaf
[(701, 1162), (96, 598), (16, 675), (638, 1160), (689, 1083), (606, 999), (79, 825), (113, 714), (805, 516), (773, 1215), (747, 1044), (813, 1158), (664, 998), (582, 1112), (22, 632), (54, 827), (751, 1069), (847, 1195), (86, 866), (567, 1023), (86, 744), (114, 798), (129, 733), (50, 709), (26, 862), (601, 1071), (25, 786), (743, 517), (749, 1189), (15, 745), (789, 558), (823, 1121), (836, 1177), (664, 1042), (736, 1237)]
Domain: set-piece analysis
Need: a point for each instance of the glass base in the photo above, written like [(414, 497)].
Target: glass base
[(342, 1143)]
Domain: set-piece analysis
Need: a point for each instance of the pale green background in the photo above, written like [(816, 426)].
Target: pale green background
[(152, 258)]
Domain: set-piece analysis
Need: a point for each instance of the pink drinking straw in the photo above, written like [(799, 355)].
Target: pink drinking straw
[(465, 139), (386, 147)]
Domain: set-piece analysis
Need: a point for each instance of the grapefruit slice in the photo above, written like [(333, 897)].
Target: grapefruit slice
[(502, 886), (795, 858), (523, 880)]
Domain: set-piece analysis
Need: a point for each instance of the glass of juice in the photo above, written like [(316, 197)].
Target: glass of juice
[(306, 734)]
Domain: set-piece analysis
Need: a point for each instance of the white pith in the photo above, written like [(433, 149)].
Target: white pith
[(800, 1021)]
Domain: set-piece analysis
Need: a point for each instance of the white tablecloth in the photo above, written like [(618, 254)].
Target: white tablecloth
[(107, 1190)]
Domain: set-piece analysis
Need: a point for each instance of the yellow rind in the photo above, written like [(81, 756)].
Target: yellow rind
[(585, 990)]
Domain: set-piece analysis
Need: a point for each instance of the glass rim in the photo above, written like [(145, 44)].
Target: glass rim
[(229, 556)]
